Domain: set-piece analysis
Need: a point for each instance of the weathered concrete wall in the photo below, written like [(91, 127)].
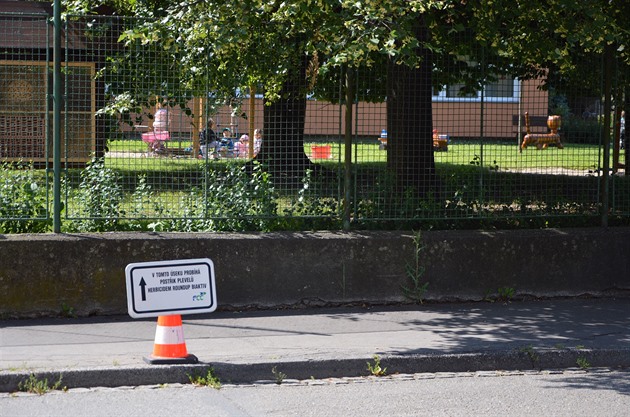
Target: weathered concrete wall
[(47, 274)]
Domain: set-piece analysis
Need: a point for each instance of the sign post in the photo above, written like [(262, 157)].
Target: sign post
[(167, 289)]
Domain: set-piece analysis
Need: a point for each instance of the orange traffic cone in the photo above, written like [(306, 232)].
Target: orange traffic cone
[(170, 347)]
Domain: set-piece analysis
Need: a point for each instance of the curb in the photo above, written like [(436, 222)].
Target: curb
[(247, 373)]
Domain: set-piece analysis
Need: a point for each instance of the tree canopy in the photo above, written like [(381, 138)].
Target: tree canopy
[(222, 47), (245, 44)]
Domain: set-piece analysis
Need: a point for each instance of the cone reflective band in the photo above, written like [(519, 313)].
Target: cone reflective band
[(169, 338), (170, 346)]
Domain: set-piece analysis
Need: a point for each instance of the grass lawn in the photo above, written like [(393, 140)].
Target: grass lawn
[(501, 155), (493, 155), (474, 180)]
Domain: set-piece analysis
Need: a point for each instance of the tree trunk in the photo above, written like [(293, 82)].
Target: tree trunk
[(282, 148), (409, 122)]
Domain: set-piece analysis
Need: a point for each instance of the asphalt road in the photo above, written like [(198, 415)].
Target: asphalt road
[(570, 393)]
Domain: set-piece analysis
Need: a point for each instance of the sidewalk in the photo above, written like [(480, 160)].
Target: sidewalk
[(244, 347)]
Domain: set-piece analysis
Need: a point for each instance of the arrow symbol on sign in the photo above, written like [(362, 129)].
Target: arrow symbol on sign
[(142, 287)]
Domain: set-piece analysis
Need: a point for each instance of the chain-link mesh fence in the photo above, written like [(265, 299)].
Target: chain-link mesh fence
[(146, 146), (25, 83), (504, 148)]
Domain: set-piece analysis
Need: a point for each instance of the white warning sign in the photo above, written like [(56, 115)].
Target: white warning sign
[(163, 288)]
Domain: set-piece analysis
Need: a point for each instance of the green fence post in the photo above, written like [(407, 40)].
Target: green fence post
[(347, 157), (57, 117), (609, 56), (481, 124)]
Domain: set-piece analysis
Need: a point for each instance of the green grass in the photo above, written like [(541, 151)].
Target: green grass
[(473, 181), (459, 168), (129, 145), (503, 156)]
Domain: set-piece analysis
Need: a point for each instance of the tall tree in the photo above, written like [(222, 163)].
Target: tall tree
[(268, 44), (222, 48)]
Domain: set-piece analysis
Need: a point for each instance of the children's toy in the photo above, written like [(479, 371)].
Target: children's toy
[(542, 140)]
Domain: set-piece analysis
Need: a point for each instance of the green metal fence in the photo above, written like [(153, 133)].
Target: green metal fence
[(344, 149), (25, 82)]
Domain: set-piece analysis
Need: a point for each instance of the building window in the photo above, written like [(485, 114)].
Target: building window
[(505, 89)]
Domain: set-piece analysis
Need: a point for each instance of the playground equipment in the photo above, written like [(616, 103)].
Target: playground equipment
[(542, 140), (440, 142), (157, 139)]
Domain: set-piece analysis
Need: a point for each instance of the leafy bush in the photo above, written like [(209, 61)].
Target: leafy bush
[(578, 130), (238, 201), (101, 195), (314, 207), (241, 197), (23, 201), (234, 197), (145, 206)]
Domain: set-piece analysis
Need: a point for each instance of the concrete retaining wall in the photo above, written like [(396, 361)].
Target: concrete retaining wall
[(84, 273)]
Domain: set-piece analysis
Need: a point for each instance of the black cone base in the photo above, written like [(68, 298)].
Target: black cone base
[(157, 360)]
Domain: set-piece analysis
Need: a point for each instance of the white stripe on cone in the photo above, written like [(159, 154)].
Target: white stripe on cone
[(169, 335)]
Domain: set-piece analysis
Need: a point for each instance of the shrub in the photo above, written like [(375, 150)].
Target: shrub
[(578, 130), (23, 201), (100, 194), (314, 207)]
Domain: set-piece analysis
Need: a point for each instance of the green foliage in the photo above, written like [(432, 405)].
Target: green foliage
[(101, 194), (23, 200), (415, 272), (169, 195), (37, 386), (145, 206), (233, 197), (238, 200), (214, 46), (383, 200), (531, 354), (316, 206), (583, 363), (210, 380), (120, 107), (67, 311), (278, 376), (558, 104), (375, 368), (583, 131), (312, 200), (506, 294)]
